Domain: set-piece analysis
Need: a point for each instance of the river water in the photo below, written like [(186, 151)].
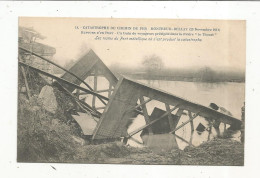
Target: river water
[(229, 95)]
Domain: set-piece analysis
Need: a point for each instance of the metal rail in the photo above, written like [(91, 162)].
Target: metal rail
[(63, 80), (43, 58)]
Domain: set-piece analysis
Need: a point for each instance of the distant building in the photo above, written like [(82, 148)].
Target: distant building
[(27, 40)]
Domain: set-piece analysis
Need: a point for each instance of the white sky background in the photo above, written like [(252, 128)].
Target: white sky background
[(9, 13), (226, 49)]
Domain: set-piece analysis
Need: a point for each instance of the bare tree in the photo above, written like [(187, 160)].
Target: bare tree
[(152, 63), (206, 74)]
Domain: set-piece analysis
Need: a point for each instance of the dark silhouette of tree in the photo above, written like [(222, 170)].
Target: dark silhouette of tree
[(152, 64), (206, 74)]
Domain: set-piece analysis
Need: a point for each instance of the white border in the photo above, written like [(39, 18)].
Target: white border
[(9, 12)]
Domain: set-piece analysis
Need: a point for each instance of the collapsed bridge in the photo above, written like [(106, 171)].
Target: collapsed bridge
[(120, 101)]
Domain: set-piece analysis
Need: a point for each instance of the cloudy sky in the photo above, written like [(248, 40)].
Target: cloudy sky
[(226, 49)]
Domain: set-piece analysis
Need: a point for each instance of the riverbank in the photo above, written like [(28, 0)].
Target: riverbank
[(44, 137), (218, 152), (55, 137), (182, 78)]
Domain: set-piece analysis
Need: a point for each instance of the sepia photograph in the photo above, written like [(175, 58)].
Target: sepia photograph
[(131, 91)]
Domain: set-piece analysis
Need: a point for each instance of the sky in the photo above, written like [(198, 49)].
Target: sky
[(226, 49)]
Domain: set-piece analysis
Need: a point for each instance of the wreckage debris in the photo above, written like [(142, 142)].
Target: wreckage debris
[(162, 126), (201, 128), (87, 122), (89, 65), (127, 92), (121, 104)]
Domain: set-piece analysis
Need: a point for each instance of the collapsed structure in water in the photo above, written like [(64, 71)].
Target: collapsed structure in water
[(106, 116)]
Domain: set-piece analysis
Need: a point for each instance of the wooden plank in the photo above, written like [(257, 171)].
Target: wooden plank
[(81, 68), (83, 93), (98, 108), (146, 116), (114, 119), (103, 91)]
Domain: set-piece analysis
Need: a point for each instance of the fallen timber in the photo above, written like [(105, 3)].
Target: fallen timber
[(75, 86), (90, 65), (60, 80), (67, 71), (125, 96), (89, 108), (63, 81)]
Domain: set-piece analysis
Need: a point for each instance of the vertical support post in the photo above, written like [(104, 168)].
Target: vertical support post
[(209, 133), (176, 121), (210, 130), (77, 93), (95, 88), (216, 125), (192, 127), (109, 92), (170, 119), (26, 83), (125, 140), (146, 116), (77, 96)]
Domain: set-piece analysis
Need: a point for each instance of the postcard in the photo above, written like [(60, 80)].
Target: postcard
[(131, 91)]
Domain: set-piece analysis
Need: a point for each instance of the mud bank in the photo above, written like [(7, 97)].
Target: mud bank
[(217, 152)]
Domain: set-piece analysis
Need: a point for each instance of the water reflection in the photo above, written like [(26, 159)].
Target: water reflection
[(208, 86), (183, 137), (228, 95)]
